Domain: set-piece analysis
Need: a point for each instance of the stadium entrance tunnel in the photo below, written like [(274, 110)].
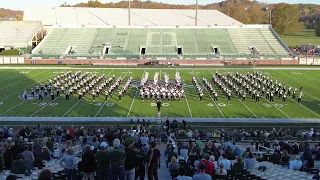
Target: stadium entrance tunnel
[(143, 50), (216, 50), (179, 50)]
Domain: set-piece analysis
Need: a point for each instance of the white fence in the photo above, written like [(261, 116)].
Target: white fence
[(11, 60)]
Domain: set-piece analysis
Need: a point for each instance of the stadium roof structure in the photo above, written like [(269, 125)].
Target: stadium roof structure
[(18, 34), (80, 16)]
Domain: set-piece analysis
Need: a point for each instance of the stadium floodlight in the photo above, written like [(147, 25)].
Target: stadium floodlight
[(267, 9)]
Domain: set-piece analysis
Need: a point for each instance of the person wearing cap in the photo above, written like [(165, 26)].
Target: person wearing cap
[(202, 173), (103, 162), (88, 163), (117, 158)]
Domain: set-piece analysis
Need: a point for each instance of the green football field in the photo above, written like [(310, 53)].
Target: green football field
[(14, 81)]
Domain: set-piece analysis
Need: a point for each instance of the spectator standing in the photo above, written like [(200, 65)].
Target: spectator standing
[(68, 138), (142, 159), (154, 162), (103, 163), (130, 161), (69, 163), (88, 164), (59, 134), (202, 174), (117, 158)]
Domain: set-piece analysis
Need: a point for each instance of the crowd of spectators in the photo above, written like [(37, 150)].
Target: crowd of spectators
[(132, 154)]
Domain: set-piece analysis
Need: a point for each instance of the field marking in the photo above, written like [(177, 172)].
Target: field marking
[(298, 80), (11, 76), (310, 78), (209, 94), (7, 73), (185, 97), (43, 107), (23, 79), (239, 99), (301, 103), (135, 95), (78, 100), (26, 87), (13, 108), (160, 74)]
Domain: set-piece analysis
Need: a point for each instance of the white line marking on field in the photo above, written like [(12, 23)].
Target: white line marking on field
[(7, 73), (23, 79), (136, 94), (110, 97), (11, 76), (298, 80), (239, 99), (185, 97), (13, 108), (26, 87), (208, 93), (43, 107)]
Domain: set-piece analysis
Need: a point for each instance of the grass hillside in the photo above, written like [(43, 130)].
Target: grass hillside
[(303, 37)]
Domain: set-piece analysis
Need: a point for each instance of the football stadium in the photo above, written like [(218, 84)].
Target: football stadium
[(185, 93)]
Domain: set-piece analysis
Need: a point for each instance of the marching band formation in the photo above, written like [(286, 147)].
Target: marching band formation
[(161, 90), (82, 84), (254, 85)]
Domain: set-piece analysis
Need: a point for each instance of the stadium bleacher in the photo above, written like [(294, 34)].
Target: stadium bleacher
[(233, 42), (18, 34)]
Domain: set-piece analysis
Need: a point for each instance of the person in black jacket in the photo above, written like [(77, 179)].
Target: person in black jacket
[(88, 164), (141, 160), (130, 161)]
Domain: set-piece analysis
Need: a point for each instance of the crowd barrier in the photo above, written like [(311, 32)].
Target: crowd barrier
[(12, 60)]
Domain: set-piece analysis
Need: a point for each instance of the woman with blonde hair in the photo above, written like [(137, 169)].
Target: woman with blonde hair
[(222, 171), (173, 164)]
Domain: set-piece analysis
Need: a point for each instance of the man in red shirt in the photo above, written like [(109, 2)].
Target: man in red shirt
[(209, 165), (72, 133)]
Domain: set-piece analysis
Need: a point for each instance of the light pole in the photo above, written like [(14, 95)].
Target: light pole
[(196, 20), (270, 14), (129, 13)]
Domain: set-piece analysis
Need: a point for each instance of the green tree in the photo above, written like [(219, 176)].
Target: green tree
[(285, 19), (317, 30)]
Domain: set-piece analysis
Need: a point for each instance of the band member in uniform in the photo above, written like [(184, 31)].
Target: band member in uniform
[(120, 95), (80, 95), (93, 95), (52, 95), (229, 97), (243, 96), (58, 93), (45, 92), (284, 98), (201, 96), (106, 93), (158, 106), (25, 94), (257, 97), (294, 94), (40, 95), (300, 96), (215, 97), (67, 95), (32, 92), (271, 97)]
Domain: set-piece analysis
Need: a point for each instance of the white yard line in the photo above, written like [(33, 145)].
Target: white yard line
[(136, 94), (13, 108), (23, 80), (239, 99), (297, 80), (10, 76), (110, 96), (185, 97), (208, 93), (43, 107), (6, 73)]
